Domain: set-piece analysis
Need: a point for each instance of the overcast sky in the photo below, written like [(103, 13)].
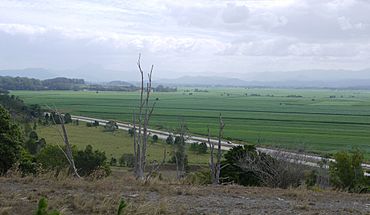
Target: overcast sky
[(190, 37)]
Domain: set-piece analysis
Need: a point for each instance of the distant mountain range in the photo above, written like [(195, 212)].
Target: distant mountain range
[(38, 73), (297, 79)]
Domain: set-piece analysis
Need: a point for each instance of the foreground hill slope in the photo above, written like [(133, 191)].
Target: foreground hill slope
[(71, 196)]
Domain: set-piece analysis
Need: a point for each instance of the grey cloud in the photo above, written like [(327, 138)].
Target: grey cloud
[(183, 36), (235, 14)]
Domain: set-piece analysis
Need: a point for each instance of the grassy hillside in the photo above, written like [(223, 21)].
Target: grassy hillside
[(322, 121)]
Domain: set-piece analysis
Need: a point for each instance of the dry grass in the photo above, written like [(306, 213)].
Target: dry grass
[(72, 196)]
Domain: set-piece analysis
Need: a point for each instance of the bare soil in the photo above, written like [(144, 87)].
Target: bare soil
[(85, 196)]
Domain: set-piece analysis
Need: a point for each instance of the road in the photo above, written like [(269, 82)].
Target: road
[(309, 160)]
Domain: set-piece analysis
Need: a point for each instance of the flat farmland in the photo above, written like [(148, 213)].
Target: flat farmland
[(321, 121)]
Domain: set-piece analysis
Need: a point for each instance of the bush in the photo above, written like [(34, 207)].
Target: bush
[(51, 157), (33, 135), (67, 118), (199, 148), (310, 178), (249, 167), (88, 160), (96, 123), (34, 146), (42, 208), (127, 160), (10, 142), (55, 118), (169, 139), (113, 161), (28, 164), (131, 132), (199, 178), (111, 126), (179, 155), (346, 172), (155, 138)]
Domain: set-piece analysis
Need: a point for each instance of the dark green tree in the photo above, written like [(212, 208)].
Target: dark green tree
[(169, 139), (88, 160), (51, 157), (346, 172), (155, 138), (67, 118), (232, 172), (10, 141), (131, 132)]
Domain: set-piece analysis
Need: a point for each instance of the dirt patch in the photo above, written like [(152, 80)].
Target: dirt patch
[(72, 196)]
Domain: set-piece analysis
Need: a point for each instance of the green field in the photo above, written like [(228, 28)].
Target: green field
[(113, 144), (313, 122)]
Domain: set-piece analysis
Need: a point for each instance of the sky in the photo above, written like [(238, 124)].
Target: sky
[(101, 39)]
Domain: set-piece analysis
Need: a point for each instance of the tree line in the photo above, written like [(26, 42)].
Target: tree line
[(23, 83)]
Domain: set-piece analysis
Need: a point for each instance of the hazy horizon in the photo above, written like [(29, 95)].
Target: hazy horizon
[(99, 40)]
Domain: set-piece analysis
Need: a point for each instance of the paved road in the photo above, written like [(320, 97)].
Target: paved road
[(309, 160)]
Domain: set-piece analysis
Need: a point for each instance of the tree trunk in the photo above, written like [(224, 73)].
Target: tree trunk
[(212, 161), (141, 136), (219, 151), (68, 151)]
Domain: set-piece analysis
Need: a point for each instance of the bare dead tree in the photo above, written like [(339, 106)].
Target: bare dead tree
[(219, 151), (277, 170), (156, 166), (216, 167), (212, 161), (68, 149), (141, 120), (179, 152)]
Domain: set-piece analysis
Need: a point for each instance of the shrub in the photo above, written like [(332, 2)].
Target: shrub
[(199, 178), (179, 155), (10, 142), (121, 207), (55, 118), (111, 126), (113, 161), (33, 135), (310, 178), (51, 157), (67, 118), (34, 146), (127, 160), (42, 208), (249, 167), (155, 138), (96, 123), (346, 172), (88, 160), (169, 139), (131, 132), (28, 164), (200, 148)]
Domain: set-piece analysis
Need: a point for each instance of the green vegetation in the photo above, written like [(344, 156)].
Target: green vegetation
[(42, 208), (10, 142), (23, 83), (61, 83), (87, 161), (121, 206), (114, 144), (246, 166), (323, 121), (347, 174)]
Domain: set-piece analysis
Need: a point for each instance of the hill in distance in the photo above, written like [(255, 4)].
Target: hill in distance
[(296, 79)]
